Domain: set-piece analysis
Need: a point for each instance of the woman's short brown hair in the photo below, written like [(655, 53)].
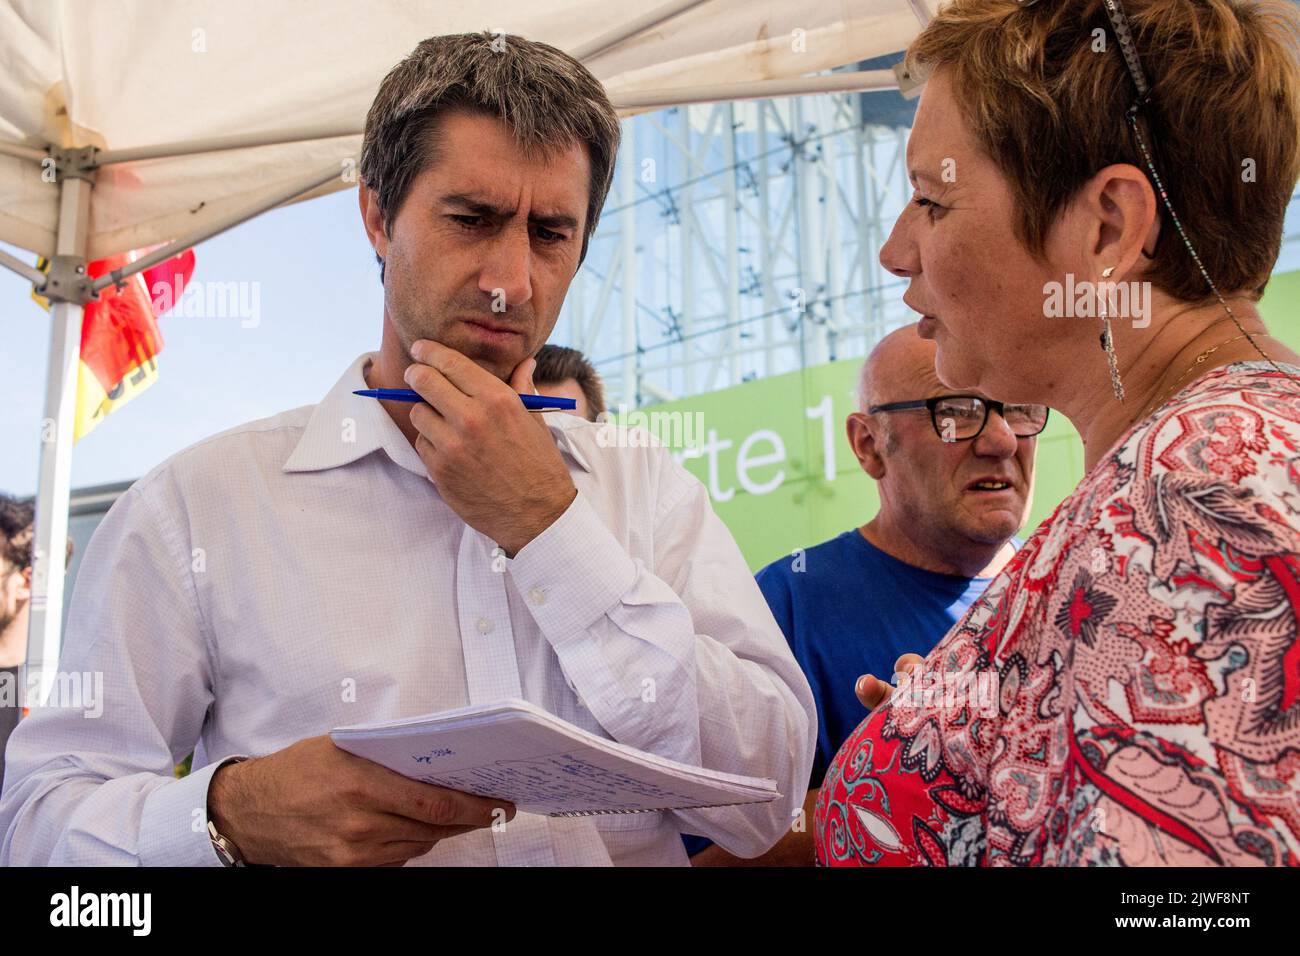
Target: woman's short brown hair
[(1045, 100)]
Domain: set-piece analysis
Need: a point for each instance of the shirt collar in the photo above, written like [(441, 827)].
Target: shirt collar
[(565, 429), (345, 427)]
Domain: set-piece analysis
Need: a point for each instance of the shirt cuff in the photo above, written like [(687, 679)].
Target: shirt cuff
[(174, 821), (573, 572)]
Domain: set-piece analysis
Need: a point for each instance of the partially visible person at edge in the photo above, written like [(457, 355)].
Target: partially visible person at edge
[(955, 478), (17, 527), (1144, 638), (567, 373)]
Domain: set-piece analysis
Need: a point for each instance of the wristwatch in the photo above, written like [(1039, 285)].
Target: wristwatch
[(225, 847)]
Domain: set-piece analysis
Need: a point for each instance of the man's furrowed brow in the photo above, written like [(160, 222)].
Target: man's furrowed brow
[(479, 206), (557, 220), (476, 205), (920, 174)]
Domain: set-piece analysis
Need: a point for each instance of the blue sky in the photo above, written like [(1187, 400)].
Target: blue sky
[(320, 306)]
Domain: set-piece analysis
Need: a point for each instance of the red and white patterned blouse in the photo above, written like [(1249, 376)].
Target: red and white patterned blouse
[(1127, 691)]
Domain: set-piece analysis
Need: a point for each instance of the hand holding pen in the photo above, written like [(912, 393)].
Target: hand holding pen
[(488, 457)]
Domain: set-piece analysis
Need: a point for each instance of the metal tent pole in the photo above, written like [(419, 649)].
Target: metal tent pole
[(51, 531), (303, 184), (22, 152), (922, 11), (216, 144), (35, 276), (856, 82), (646, 21), (68, 288)]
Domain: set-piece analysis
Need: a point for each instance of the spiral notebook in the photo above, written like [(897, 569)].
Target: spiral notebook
[(514, 750)]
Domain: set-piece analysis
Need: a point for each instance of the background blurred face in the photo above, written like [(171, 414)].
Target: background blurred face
[(14, 593), (979, 291), (937, 491), (569, 388), (944, 486), (485, 225)]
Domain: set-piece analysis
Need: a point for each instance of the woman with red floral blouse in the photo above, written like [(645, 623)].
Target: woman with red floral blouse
[(1100, 193)]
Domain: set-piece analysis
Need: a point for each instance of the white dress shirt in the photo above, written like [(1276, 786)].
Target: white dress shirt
[(301, 572)]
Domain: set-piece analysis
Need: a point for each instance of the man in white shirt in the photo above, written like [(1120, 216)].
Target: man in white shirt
[(356, 560)]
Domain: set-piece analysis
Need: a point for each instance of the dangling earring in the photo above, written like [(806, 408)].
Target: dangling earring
[(1108, 343)]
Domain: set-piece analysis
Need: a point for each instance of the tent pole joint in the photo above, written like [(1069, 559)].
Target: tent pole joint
[(79, 162), (68, 281)]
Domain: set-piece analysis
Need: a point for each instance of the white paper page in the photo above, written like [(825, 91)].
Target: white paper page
[(539, 768)]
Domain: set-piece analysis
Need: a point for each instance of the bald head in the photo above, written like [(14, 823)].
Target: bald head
[(945, 504), (899, 368)]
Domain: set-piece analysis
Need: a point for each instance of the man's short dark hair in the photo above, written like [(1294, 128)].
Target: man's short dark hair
[(17, 521), (556, 363), (544, 96)]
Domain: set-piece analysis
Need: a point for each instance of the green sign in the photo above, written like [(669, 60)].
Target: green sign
[(774, 455)]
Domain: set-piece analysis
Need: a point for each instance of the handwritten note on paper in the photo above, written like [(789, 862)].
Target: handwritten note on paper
[(516, 751), (435, 752), (559, 780)]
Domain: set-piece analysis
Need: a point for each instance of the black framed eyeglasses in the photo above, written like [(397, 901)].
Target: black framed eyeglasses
[(963, 417)]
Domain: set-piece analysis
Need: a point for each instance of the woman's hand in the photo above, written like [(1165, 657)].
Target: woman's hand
[(873, 691)]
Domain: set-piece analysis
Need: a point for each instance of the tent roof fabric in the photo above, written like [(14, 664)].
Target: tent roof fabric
[(124, 74)]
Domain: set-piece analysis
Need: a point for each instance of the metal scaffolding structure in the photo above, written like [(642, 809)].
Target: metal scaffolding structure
[(740, 240)]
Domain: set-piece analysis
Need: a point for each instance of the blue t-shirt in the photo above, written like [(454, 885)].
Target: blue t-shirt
[(847, 608)]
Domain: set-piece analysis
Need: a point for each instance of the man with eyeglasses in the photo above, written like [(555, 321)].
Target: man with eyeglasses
[(954, 470)]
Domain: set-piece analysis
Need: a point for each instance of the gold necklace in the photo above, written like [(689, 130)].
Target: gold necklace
[(1200, 360)]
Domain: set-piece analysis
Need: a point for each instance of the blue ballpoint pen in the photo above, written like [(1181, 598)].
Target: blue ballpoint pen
[(534, 403)]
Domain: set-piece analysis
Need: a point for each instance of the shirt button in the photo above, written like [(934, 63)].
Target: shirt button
[(484, 626), (537, 596)]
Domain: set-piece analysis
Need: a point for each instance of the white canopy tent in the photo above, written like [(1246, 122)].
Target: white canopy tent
[(129, 123)]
